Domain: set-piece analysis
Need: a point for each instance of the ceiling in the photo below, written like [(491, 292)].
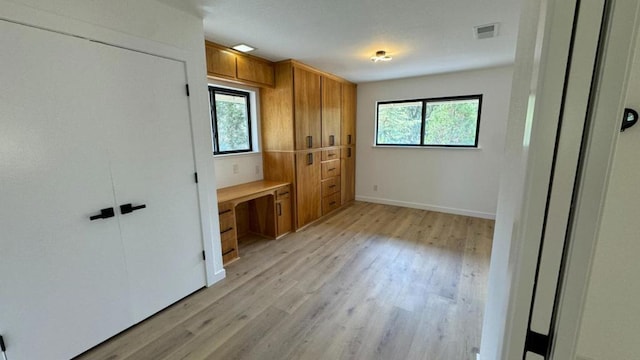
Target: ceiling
[(424, 37)]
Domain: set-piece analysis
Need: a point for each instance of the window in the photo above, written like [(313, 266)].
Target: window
[(231, 120), (451, 121)]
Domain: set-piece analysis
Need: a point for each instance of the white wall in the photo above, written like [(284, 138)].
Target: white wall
[(145, 25), (460, 181), (611, 319), (234, 169)]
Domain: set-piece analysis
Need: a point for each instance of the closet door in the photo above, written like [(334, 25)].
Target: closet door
[(63, 284), (145, 103)]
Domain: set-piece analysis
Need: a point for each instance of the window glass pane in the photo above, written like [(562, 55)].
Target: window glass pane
[(399, 123), (232, 122), (451, 122)]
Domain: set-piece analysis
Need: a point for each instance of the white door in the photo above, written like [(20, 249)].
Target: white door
[(145, 102), (576, 116), (63, 285)]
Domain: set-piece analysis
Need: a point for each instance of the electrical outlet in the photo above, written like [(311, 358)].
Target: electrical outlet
[(236, 168), (257, 169), (375, 187)]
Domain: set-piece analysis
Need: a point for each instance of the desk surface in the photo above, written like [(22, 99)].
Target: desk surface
[(247, 189)]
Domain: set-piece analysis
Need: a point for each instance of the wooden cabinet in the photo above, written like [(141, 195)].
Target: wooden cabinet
[(220, 62), (230, 65), (254, 71), (308, 176), (348, 114), (283, 210), (331, 112), (307, 105), (228, 232), (348, 174), (302, 120)]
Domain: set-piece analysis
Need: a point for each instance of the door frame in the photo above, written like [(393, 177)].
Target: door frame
[(195, 68)]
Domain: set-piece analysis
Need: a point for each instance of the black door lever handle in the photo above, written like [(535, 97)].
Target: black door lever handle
[(128, 208), (104, 214)]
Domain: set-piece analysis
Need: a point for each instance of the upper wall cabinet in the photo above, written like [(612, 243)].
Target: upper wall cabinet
[(231, 65)]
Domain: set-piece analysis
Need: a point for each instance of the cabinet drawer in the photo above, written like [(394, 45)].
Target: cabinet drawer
[(330, 203), (227, 221), (227, 233), (283, 193), (330, 154), (330, 168), (228, 241), (225, 208), (331, 186), (229, 255)]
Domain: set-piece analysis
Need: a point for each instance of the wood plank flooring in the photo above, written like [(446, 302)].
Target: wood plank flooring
[(369, 282)]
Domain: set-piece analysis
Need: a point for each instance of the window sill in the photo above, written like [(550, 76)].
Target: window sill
[(425, 147), (241, 154)]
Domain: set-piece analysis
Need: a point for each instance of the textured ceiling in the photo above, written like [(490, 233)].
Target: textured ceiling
[(339, 36)]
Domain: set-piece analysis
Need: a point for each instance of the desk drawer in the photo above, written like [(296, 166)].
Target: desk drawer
[(330, 154), (283, 193), (225, 208), (330, 186), (330, 168), (227, 221), (330, 203), (229, 255)]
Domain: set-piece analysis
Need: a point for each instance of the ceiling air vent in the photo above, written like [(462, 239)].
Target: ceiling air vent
[(485, 31)]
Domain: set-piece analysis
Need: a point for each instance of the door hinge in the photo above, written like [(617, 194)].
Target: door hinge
[(187, 86), (195, 175), (537, 343), (204, 255)]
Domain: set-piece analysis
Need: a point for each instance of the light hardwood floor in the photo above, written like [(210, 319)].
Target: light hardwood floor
[(369, 282)]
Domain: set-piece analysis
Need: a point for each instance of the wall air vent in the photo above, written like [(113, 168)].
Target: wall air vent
[(485, 31)]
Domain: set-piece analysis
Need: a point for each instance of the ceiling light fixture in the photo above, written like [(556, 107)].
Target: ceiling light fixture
[(243, 47), (381, 55)]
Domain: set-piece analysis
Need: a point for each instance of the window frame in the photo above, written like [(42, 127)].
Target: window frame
[(424, 102), (213, 90)]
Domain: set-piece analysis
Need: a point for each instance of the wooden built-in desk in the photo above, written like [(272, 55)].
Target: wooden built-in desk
[(259, 207)]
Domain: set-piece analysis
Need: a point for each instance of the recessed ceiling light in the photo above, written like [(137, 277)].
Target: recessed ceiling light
[(381, 55), (243, 47)]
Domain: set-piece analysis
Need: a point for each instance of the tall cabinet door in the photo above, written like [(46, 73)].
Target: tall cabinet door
[(331, 111), (152, 163), (308, 190), (348, 114), (63, 281), (307, 109), (348, 176)]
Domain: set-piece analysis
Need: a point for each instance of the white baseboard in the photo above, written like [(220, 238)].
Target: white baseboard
[(447, 210), (216, 277)]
